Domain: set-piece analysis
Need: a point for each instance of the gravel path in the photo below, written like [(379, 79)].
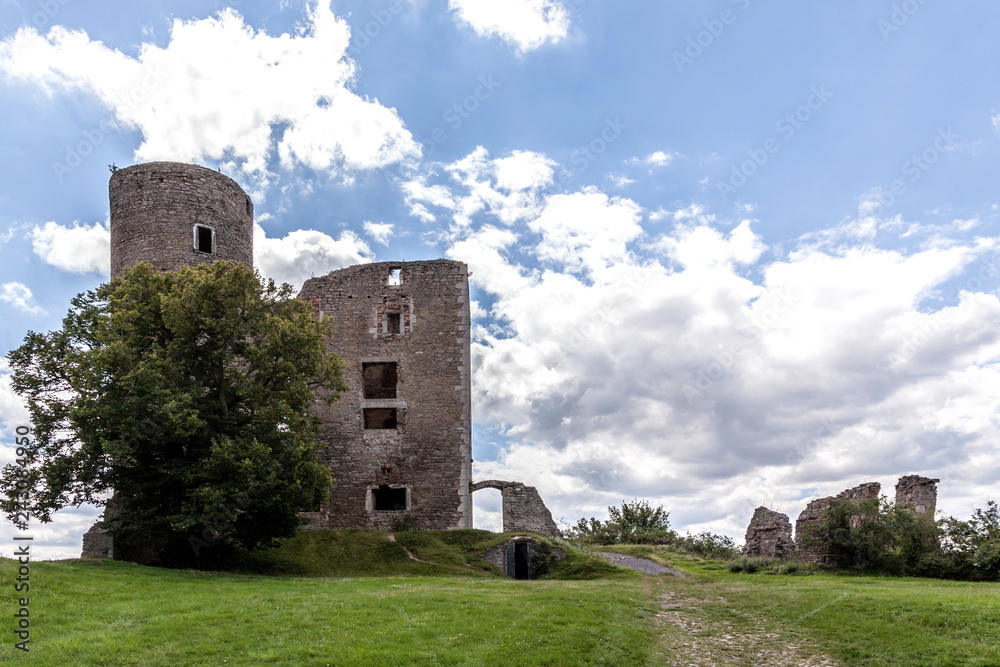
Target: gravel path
[(638, 564)]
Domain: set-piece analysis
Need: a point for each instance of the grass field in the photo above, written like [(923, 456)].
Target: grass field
[(450, 611)]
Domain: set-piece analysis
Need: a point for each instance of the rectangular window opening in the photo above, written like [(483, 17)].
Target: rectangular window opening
[(379, 379), (380, 418), (395, 278), (388, 499), (203, 239), (393, 323)]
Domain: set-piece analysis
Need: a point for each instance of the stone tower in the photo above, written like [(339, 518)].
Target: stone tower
[(398, 442), (171, 215), (917, 494)]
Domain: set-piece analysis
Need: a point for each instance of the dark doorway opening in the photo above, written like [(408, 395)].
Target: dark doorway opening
[(393, 323), (388, 499), (519, 559)]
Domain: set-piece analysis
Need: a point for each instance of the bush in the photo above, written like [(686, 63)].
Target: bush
[(708, 545), (636, 522), (762, 565)]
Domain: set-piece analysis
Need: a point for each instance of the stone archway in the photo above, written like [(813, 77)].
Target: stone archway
[(523, 509)]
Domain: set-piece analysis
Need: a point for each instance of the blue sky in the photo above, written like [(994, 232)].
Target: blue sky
[(724, 254)]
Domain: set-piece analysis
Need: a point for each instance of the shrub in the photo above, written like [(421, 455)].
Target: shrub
[(708, 545), (636, 522)]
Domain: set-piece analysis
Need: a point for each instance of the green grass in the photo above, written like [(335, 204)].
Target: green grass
[(454, 610), (106, 613)]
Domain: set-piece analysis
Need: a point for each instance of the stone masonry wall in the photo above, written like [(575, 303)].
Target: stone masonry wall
[(424, 459), (523, 509), (918, 494), (155, 206), (769, 534), (816, 511)]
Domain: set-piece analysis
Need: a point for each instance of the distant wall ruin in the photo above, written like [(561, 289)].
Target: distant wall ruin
[(769, 533), (523, 509)]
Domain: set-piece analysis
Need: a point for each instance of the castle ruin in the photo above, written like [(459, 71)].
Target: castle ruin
[(398, 442)]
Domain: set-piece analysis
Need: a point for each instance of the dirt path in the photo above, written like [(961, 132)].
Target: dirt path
[(638, 564), (692, 635)]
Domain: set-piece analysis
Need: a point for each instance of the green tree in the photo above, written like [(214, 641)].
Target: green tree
[(636, 522), (188, 394)]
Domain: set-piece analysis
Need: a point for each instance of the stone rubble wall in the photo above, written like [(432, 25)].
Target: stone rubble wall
[(769, 534), (523, 509)]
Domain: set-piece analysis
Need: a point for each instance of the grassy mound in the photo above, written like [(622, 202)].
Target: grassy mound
[(363, 553)]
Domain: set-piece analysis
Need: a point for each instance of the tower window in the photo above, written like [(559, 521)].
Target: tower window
[(388, 499), (393, 323), (379, 379), (204, 239), (380, 418), (395, 278)]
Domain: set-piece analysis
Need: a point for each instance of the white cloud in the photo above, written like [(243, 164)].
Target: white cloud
[(305, 253), (76, 248), (19, 296), (221, 90), (700, 364), (996, 121), (528, 24), (380, 232)]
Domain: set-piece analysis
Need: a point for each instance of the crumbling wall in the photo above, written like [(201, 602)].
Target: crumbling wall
[(97, 544), (814, 550), (523, 508), (769, 534), (917, 494), (398, 441)]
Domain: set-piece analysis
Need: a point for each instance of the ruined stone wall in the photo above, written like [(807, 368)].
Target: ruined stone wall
[(402, 430), (523, 509), (815, 512), (769, 534), (155, 207), (917, 494), (97, 544)]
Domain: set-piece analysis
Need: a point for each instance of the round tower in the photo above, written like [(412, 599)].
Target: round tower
[(171, 214)]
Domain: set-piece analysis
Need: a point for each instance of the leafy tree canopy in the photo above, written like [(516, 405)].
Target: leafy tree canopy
[(635, 522), (188, 394)]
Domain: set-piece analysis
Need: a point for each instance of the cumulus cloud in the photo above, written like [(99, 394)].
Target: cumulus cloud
[(696, 362), (220, 90), (75, 248), (305, 253), (527, 24), (380, 232), (19, 296)]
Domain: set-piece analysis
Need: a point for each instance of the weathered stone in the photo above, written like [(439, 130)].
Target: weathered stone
[(523, 508), (155, 208), (398, 441), (814, 550), (97, 544), (769, 534), (917, 494)]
